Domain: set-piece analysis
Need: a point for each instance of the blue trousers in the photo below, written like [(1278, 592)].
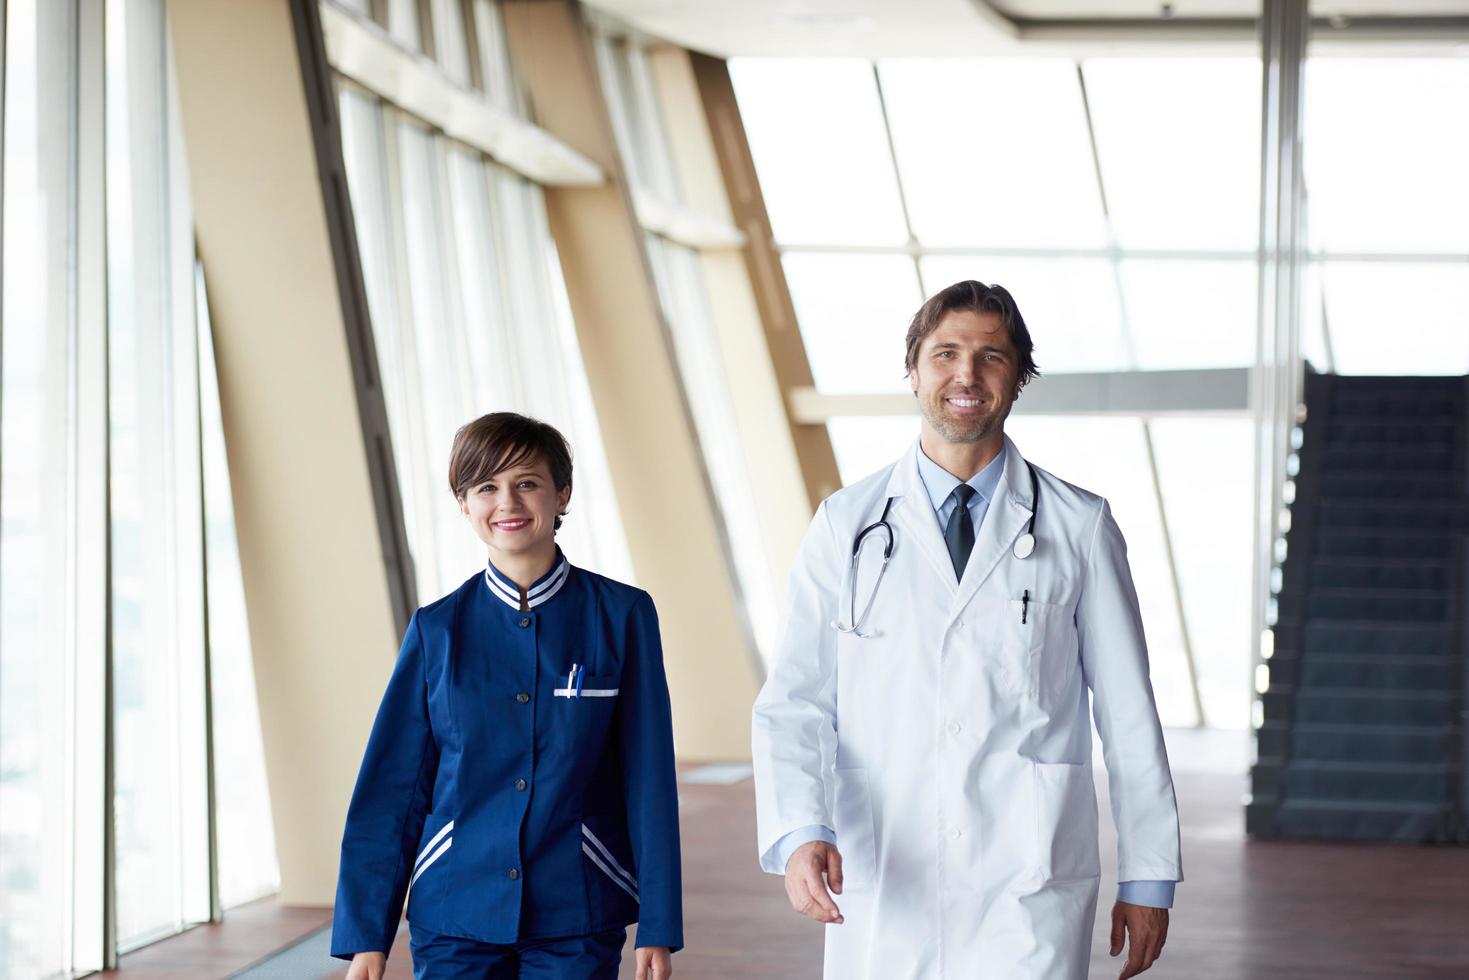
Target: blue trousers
[(440, 957)]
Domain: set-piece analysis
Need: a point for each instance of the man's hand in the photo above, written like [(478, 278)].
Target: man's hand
[(1147, 931), (367, 966), (654, 963), (815, 866)]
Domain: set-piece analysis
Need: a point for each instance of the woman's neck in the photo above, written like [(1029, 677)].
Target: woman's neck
[(525, 567)]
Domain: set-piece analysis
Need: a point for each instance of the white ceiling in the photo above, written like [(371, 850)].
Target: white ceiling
[(956, 28)]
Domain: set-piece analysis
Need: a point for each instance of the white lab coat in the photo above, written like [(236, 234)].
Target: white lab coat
[(951, 754)]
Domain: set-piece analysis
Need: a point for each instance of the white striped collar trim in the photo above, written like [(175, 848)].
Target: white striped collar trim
[(542, 589)]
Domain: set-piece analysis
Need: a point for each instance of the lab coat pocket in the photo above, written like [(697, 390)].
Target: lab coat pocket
[(854, 829), (1025, 638), (1065, 822)]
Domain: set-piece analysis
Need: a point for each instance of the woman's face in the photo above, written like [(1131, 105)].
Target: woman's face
[(514, 511)]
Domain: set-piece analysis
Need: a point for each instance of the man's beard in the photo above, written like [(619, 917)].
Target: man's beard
[(957, 430)]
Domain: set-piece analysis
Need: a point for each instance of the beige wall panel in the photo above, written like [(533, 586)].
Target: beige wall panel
[(321, 625), (662, 489)]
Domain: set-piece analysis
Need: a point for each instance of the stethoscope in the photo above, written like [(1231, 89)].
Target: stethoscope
[(1024, 548)]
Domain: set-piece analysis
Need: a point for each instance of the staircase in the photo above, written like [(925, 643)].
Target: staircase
[(1364, 734)]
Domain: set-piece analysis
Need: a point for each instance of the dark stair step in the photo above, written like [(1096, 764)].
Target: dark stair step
[(1422, 545), (1304, 818), (1363, 743), (1388, 456), (1391, 782), (1349, 706), (1451, 516), (1411, 605), (1384, 638), (1445, 429), (1374, 484), (1366, 670), (1365, 408), (1383, 573)]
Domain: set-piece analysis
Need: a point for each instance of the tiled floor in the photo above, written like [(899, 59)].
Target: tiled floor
[(1247, 911)]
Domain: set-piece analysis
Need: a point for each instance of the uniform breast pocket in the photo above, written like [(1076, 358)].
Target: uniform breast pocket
[(586, 702), (582, 686)]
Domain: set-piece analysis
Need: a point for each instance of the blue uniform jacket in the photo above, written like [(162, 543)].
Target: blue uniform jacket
[(519, 781)]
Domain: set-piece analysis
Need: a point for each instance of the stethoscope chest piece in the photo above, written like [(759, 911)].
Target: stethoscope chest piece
[(1024, 545)]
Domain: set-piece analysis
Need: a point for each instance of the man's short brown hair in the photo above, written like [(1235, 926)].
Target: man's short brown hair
[(975, 297), (494, 443)]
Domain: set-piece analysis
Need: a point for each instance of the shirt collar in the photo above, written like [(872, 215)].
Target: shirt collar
[(940, 483), (504, 588)]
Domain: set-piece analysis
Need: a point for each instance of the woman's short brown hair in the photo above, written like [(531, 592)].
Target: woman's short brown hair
[(975, 297), (494, 443)]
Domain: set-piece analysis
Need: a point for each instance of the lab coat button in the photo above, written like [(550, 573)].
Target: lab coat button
[(520, 784), (513, 873), (954, 833), (953, 728), (523, 698), (524, 621)]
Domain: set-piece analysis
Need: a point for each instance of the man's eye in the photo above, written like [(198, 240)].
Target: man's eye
[(487, 488), (528, 484)]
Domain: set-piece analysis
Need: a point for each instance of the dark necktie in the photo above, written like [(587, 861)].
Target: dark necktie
[(959, 532)]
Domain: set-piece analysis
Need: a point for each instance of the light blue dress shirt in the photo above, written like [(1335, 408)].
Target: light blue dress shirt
[(940, 484)]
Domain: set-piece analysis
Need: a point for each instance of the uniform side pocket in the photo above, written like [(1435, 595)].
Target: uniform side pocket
[(433, 850), (1065, 822), (854, 829)]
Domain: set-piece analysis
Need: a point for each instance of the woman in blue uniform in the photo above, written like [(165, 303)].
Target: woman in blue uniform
[(518, 785)]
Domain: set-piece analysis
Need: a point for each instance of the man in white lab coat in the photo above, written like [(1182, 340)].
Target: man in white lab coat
[(922, 748)]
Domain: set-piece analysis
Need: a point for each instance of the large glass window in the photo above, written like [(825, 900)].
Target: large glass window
[(103, 516), (1127, 238), (467, 319), (1387, 215), (38, 520), (816, 129), (160, 797), (993, 153)]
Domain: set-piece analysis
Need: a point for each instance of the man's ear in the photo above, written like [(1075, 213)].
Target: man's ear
[(563, 497)]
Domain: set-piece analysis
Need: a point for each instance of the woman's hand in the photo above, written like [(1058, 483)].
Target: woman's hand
[(369, 966), (654, 963)]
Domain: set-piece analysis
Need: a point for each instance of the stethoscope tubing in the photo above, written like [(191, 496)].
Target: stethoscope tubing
[(1024, 548)]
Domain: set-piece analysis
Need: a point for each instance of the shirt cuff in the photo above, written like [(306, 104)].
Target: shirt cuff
[(1153, 894), (787, 845)]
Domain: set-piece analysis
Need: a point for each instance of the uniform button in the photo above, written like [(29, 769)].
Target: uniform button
[(522, 697), (513, 873), (520, 784), (954, 833), (953, 728), (524, 621)]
